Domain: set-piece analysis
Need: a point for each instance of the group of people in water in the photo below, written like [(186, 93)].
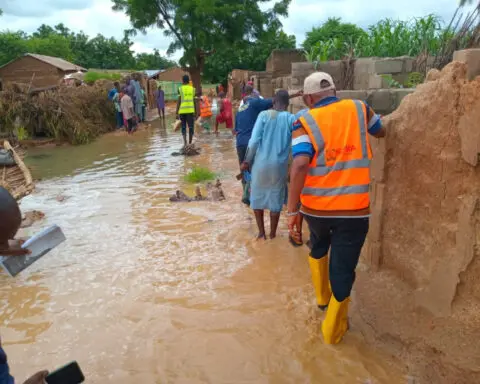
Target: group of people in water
[(322, 155), (129, 102)]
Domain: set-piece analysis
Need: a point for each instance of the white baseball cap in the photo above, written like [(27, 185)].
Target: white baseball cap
[(313, 83)]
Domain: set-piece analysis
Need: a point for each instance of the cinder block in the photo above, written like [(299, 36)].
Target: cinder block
[(377, 82), (408, 64), (302, 68), (382, 101), (388, 66), (362, 71), (472, 58), (399, 95), (351, 94)]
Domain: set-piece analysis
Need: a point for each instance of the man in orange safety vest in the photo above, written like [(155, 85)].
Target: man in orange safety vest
[(329, 186)]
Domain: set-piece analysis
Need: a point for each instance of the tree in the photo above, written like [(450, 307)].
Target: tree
[(152, 61), (252, 55), (202, 27), (59, 41), (333, 28)]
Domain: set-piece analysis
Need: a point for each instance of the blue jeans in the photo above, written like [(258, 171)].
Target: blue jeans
[(119, 116)]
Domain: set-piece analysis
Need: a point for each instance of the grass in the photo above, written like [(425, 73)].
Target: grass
[(199, 174), (91, 77)]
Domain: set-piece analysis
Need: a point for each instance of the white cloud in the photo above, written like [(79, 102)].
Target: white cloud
[(97, 16)]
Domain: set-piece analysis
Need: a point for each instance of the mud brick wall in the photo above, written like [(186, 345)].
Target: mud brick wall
[(417, 293)]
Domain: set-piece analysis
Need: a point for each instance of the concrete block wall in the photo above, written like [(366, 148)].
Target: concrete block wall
[(383, 101), (367, 71), (280, 61)]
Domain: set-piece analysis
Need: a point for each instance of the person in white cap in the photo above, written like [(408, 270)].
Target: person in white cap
[(330, 177)]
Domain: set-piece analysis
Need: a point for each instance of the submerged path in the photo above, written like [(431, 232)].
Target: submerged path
[(146, 291)]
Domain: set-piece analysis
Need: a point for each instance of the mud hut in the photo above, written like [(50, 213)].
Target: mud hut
[(37, 70)]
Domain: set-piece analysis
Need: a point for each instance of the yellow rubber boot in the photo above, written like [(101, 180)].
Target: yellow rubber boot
[(336, 321), (321, 282)]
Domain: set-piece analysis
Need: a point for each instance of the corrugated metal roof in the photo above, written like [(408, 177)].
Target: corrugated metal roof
[(64, 65), (153, 72)]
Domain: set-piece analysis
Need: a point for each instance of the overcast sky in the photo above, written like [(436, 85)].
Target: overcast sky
[(96, 16)]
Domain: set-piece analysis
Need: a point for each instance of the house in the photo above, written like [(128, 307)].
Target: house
[(171, 74), (37, 70)]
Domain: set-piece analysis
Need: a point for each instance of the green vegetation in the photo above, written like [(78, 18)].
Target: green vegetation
[(91, 77), (335, 40), (97, 52), (199, 174), (209, 32)]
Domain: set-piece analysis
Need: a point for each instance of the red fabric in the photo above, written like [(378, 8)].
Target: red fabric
[(226, 108), (222, 118)]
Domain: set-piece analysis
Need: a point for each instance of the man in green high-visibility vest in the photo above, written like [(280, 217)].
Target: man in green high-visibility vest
[(186, 108)]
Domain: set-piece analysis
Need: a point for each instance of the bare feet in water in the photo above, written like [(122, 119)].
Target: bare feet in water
[(261, 236)]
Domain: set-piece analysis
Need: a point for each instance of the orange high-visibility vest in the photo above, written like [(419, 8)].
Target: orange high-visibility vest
[(338, 178), (205, 108)]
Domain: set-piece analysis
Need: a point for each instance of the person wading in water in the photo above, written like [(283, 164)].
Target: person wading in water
[(330, 176), (186, 110), (267, 155)]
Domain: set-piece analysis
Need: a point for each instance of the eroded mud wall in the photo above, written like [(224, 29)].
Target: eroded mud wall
[(420, 298)]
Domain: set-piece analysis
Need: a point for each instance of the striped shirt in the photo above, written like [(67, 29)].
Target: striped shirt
[(302, 145)]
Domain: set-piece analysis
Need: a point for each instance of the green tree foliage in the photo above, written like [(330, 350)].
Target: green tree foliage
[(97, 52), (333, 28), (153, 61), (252, 56), (203, 27)]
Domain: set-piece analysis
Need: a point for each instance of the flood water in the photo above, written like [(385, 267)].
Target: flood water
[(148, 291)]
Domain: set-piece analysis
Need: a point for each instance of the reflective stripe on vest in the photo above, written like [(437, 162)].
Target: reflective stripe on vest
[(187, 104), (332, 184), (205, 110)]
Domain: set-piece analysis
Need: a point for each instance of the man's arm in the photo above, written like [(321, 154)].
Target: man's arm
[(302, 153), (178, 105), (298, 173), (374, 123)]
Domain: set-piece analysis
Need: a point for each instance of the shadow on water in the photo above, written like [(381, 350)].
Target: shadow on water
[(146, 291)]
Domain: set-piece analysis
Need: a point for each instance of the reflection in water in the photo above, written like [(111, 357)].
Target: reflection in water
[(145, 291)]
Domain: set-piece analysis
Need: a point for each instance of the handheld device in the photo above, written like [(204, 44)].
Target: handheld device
[(39, 245), (68, 374)]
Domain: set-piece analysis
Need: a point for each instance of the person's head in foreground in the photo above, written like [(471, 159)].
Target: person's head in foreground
[(10, 222), (281, 100), (116, 84), (316, 87), (221, 95), (186, 79)]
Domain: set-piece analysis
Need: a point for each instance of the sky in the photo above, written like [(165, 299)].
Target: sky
[(97, 16)]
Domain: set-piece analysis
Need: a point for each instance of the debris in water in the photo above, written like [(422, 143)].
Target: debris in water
[(188, 150), (61, 198), (214, 193), (29, 218)]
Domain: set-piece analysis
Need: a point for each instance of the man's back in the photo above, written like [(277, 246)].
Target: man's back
[(247, 116), (127, 107)]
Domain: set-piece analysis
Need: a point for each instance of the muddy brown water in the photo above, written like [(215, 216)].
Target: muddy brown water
[(146, 291)]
